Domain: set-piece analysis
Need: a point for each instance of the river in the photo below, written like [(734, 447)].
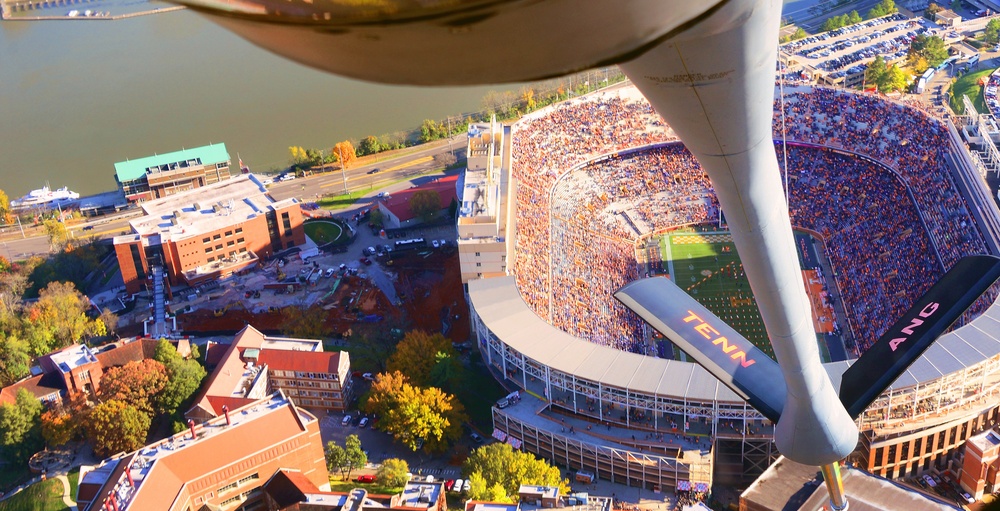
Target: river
[(76, 96)]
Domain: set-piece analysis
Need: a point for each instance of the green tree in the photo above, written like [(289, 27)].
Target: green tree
[(372, 344), (447, 371), (336, 458), (375, 218), (15, 358), (499, 464), (56, 231), (425, 204), (305, 323), (136, 383), (853, 17), (114, 426), (416, 355), (931, 48), (993, 31), (20, 427), (883, 8), (876, 71), (431, 130), (893, 80), (184, 377), (356, 457), (369, 145), (799, 34), (392, 473)]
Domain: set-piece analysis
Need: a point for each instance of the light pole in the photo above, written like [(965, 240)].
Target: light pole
[(343, 172)]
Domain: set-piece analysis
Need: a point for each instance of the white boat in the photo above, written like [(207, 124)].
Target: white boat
[(45, 198)]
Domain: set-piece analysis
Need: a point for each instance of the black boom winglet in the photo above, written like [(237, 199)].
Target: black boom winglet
[(916, 330), (713, 344)]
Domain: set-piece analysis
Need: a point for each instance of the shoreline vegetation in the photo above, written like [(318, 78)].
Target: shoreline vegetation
[(505, 105)]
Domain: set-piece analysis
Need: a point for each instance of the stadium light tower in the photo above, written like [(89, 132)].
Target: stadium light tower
[(707, 67)]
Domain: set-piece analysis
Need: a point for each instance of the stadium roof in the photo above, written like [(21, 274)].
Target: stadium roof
[(130, 170), (499, 304)]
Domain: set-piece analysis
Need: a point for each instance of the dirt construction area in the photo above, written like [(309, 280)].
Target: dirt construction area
[(426, 286)]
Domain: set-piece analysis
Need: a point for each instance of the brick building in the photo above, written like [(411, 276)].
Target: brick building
[(981, 463), (255, 365), (221, 464), (396, 212), (208, 233), (158, 176)]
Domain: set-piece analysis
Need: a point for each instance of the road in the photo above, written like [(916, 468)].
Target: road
[(416, 161)]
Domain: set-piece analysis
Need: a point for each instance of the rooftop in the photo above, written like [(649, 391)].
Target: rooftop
[(206, 209), (72, 357), (130, 170), (399, 203), (420, 494)]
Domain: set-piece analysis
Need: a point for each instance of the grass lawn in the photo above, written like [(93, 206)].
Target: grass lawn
[(478, 392), (325, 231), (342, 201), (707, 267), (74, 481), (336, 484), (43, 496), (968, 85)]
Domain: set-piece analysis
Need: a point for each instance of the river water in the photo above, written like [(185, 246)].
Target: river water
[(76, 96)]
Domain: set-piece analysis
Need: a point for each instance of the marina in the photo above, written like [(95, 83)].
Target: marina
[(45, 198)]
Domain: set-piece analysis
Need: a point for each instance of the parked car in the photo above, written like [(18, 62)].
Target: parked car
[(366, 478), (968, 498), (368, 376), (346, 421), (366, 261), (476, 438), (466, 486), (459, 483), (363, 423), (434, 243), (449, 484)]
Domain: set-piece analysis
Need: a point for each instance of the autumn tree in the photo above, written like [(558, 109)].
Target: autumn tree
[(298, 154), (415, 416), (20, 428), (115, 426), (110, 321), (393, 473), (344, 153), (417, 355), (59, 318), (59, 427), (136, 383), (425, 204), (56, 231), (931, 49), (432, 130), (4, 206), (931, 11), (184, 377), (480, 489), (500, 465), (305, 323), (528, 98)]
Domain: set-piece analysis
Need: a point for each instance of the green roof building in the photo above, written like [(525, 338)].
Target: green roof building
[(153, 177)]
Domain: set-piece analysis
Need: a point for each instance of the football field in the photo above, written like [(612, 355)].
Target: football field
[(705, 264)]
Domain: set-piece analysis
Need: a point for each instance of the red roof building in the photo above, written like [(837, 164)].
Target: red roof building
[(396, 209)]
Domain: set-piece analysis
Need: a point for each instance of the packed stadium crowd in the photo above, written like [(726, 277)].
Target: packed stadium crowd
[(899, 212)]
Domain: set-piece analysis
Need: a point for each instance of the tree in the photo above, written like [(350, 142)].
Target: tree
[(853, 18), (136, 383), (308, 323), (499, 464), (15, 358), (445, 159), (372, 344), (356, 457), (56, 231), (875, 71), (993, 31), (931, 10), (298, 154), (114, 426), (344, 151), (415, 416), (20, 427), (447, 371), (799, 34), (883, 8), (932, 48), (336, 458), (110, 321), (59, 427), (416, 355), (369, 145), (375, 218), (528, 98), (4, 206), (479, 489), (431, 130), (893, 80), (425, 204), (58, 318), (393, 473), (184, 377)]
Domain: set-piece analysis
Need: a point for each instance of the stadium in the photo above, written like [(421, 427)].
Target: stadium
[(884, 199)]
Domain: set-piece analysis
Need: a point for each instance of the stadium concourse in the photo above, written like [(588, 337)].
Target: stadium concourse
[(592, 179)]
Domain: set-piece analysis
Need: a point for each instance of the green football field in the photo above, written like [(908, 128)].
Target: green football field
[(705, 265)]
